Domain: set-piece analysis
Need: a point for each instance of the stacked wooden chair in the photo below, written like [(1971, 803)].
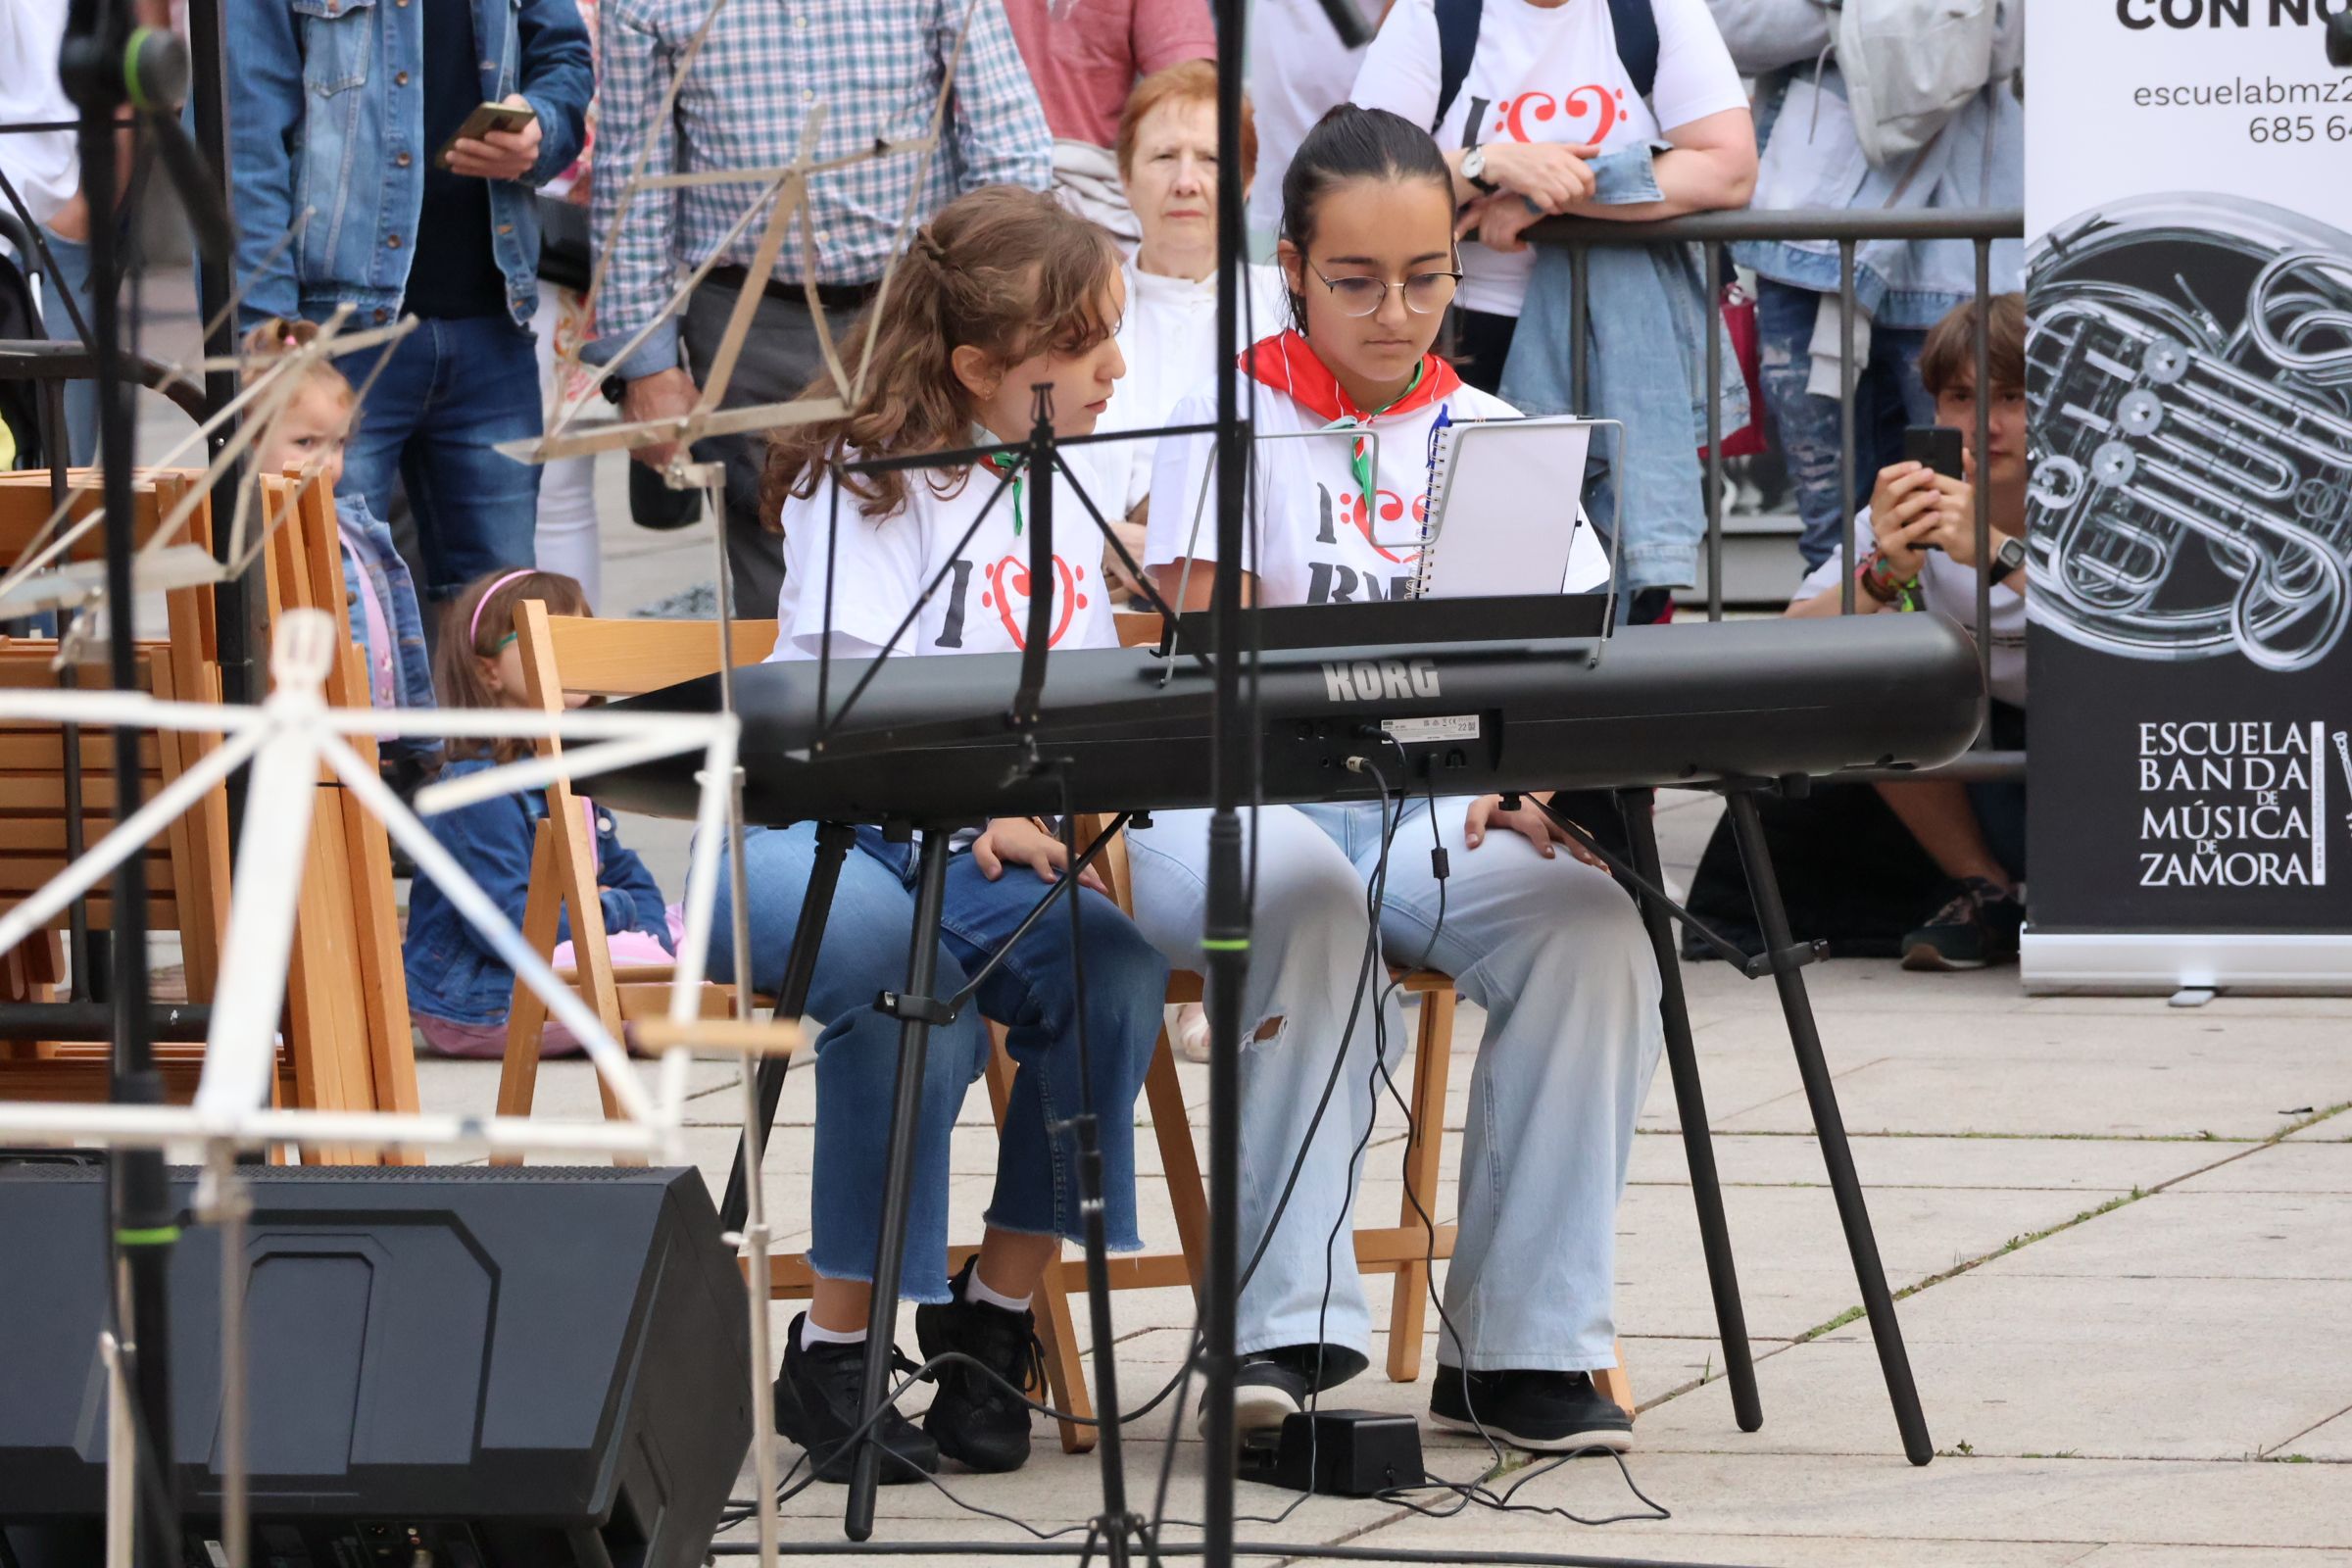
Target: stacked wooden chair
[(347, 1042)]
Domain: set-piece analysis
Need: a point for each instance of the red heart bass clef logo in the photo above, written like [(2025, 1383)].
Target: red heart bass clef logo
[(1008, 594), (1517, 117)]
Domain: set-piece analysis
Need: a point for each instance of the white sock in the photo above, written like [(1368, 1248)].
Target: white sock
[(976, 1289), (810, 1334)]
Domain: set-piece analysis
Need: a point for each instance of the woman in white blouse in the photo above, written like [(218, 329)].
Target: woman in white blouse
[(1167, 150)]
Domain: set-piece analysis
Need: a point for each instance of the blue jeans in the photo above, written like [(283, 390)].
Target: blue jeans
[(1558, 958), (864, 953), (81, 397), (1887, 396), (451, 391)]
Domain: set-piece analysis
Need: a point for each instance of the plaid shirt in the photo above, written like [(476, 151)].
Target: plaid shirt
[(875, 65)]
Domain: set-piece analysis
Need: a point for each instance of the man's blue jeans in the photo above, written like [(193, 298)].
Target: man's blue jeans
[(73, 278), (450, 392), (1887, 396), (867, 936)]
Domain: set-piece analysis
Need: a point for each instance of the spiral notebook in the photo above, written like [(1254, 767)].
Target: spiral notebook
[(1503, 512)]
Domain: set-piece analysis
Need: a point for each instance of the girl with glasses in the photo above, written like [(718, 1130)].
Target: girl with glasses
[(1545, 944)]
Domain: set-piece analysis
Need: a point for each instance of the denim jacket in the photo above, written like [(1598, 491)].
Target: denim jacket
[(326, 113), (1646, 324), (1812, 159), (375, 575), (453, 971)]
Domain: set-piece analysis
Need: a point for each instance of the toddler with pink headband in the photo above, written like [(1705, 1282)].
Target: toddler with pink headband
[(460, 989)]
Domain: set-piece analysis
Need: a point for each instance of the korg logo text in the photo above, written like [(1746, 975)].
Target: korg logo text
[(1373, 680)]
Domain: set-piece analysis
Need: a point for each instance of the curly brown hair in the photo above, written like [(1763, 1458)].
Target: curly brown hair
[(1004, 269)]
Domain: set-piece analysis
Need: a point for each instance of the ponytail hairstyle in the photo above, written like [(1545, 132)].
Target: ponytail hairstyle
[(277, 338), (1004, 269), (477, 625), (1351, 143)]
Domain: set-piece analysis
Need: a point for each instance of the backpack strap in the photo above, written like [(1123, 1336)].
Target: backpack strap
[(1635, 23), (1457, 41), (1637, 28)]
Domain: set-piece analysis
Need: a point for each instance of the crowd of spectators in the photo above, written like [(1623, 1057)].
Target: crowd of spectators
[(347, 115)]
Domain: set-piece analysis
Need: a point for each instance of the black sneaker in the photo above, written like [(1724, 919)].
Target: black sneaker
[(1549, 1412), (1269, 1385), (1979, 927), (817, 1405), (976, 1418)]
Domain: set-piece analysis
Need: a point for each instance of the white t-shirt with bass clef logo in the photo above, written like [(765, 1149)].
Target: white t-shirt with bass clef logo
[(981, 605), (1320, 534), (1545, 74)]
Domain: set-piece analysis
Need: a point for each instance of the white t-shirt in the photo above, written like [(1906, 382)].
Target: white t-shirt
[(1298, 72), (1949, 589), (982, 607), (1169, 341), (43, 165), (1315, 541), (1545, 74)]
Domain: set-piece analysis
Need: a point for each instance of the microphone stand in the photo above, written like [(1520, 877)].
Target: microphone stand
[(107, 65), (1225, 932)]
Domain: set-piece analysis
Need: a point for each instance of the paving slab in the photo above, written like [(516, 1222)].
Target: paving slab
[(2125, 1555), (1881, 1499), (2329, 1441), (2182, 1234), (1756, 1551), (2089, 1076), (1794, 1270), (2096, 1169), (2068, 1373), (2288, 1167)]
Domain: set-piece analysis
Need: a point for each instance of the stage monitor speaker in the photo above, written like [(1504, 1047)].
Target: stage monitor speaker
[(451, 1366)]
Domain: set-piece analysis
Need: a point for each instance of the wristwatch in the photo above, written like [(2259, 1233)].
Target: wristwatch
[(1474, 170), (2007, 557)]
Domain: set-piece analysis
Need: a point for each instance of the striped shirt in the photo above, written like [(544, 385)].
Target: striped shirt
[(877, 66)]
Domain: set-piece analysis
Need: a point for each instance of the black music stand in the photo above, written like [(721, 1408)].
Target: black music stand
[(1784, 959)]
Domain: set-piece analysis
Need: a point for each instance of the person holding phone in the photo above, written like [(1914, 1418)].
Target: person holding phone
[(1917, 546), (400, 143)]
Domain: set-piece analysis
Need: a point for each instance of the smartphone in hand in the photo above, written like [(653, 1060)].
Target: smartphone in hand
[(1936, 445), (484, 119)]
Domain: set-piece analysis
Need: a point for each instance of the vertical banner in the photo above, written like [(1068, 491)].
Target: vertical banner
[(2188, 194)]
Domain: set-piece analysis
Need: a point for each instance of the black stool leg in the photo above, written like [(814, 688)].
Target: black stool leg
[(905, 1119), (1828, 1127), (1691, 1107), (833, 841)]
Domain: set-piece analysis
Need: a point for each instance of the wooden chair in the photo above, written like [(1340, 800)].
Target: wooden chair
[(347, 1034), (186, 870), (629, 657), (621, 657), (346, 994), (1407, 1248)]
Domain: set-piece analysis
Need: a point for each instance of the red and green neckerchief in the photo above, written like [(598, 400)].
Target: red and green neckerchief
[(1006, 463), (1288, 363)]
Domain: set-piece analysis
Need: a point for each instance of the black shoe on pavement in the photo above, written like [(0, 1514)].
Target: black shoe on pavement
[(1549, 1412), (817, 1408), (1269, 1385), (976, 1418), (1979, 927)]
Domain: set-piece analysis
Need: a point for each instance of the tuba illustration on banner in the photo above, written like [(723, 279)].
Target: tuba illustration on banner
[(2188, 365)]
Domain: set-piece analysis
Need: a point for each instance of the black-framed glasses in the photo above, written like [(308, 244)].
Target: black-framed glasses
[(1425, 293)]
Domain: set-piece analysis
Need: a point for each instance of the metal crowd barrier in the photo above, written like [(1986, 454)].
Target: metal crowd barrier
[(1712, 232)]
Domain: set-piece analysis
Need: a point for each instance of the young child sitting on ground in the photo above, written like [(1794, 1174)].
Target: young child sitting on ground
[(459, 988)]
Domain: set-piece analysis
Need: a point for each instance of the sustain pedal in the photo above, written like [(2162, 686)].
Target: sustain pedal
[(1346, 1454)]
